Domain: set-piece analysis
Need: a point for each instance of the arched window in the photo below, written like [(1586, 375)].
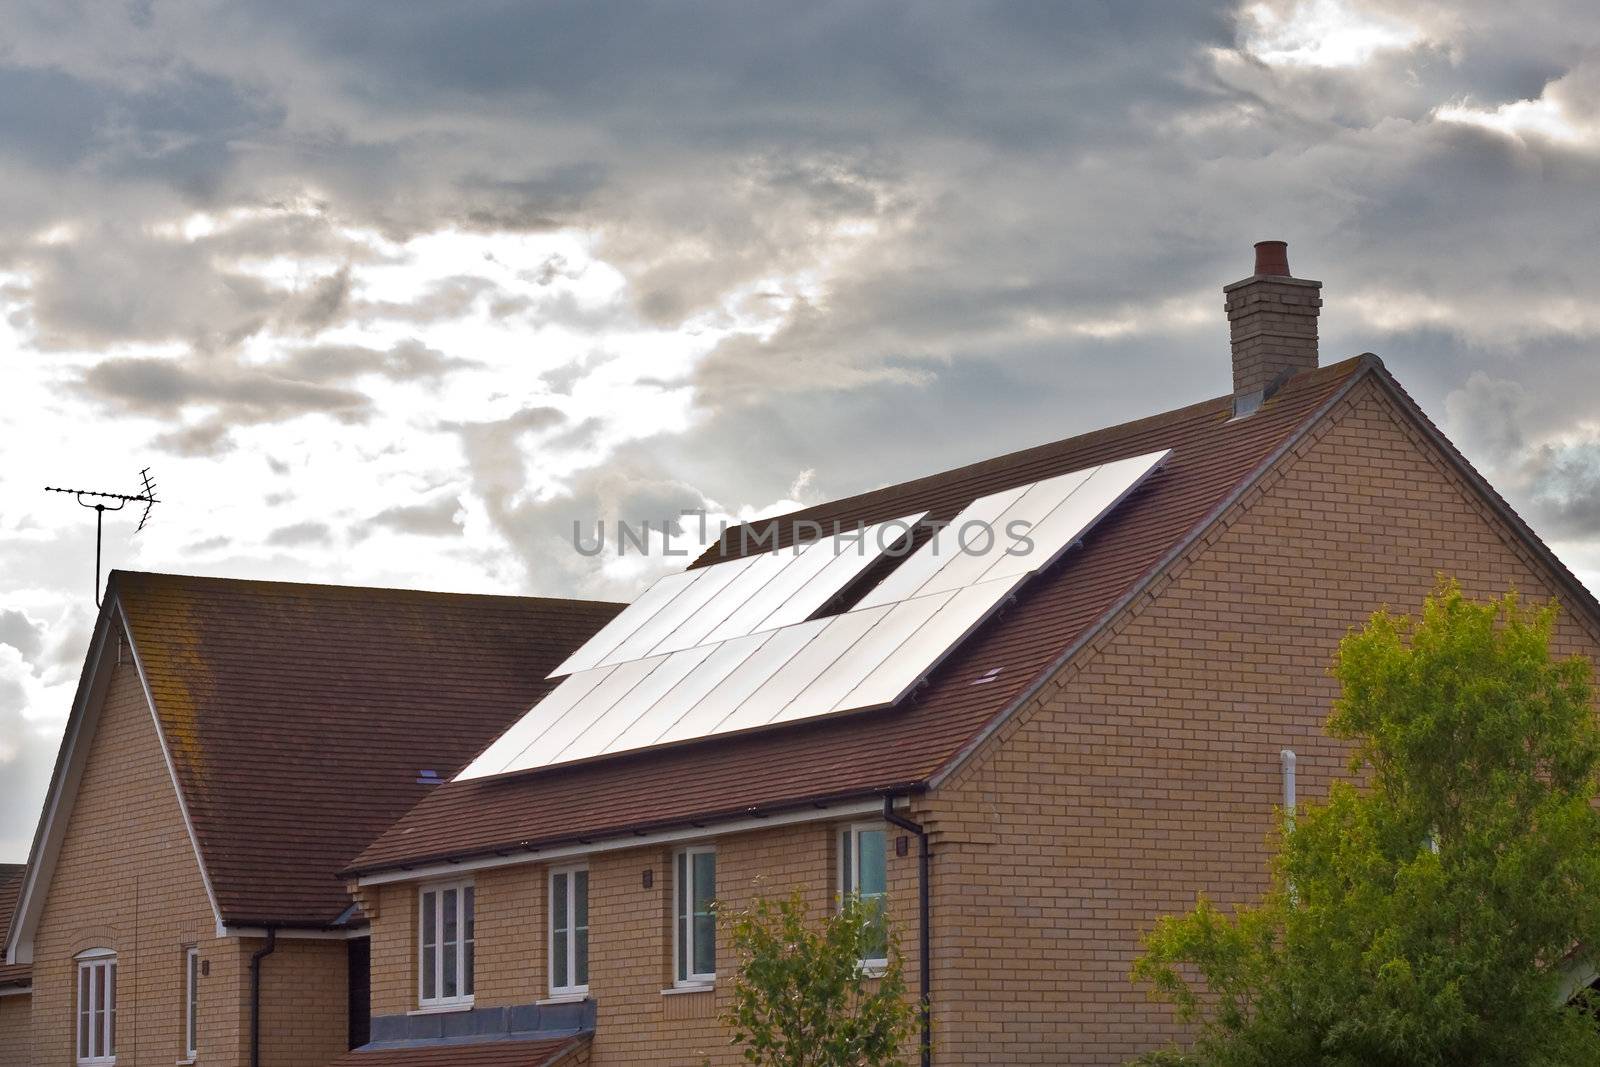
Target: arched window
[(97, 1006)]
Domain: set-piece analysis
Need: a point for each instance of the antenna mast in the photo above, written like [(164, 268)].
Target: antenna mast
[(147, 497)]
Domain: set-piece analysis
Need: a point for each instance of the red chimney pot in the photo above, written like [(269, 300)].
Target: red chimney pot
[(1272, 258)]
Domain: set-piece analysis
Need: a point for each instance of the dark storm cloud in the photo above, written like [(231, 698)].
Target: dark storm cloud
[(1026, 177)]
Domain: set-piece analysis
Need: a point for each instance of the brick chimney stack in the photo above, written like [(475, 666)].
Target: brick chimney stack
[(1273, 319)]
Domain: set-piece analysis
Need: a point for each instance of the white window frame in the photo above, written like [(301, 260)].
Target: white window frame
[(95, 1045), (466, 986), (570, 873), (850, 873), (191, 1003), (683, 943)]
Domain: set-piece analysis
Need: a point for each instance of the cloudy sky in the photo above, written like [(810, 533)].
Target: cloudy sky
[(394, 293)]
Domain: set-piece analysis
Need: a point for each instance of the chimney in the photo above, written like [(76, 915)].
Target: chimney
[(1273, 321)]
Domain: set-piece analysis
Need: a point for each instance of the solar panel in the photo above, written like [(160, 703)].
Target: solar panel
[(733, 647), (741, 596), (629, 619), (509, 745), (925, 648)]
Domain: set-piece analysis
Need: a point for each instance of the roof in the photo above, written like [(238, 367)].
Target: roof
[(299, 719), (10, 888), (1214, 456), (513, 1053)]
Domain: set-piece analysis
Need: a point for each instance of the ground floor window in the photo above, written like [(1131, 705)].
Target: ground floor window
[(97, 1007)]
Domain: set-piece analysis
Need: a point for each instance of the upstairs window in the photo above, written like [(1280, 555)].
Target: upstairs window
[(863, 874), (569, 931), (97, 1007), (446, 936), (694, 924)]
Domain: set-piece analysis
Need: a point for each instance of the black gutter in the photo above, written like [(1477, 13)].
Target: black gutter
[(255, 993), (924, 939)]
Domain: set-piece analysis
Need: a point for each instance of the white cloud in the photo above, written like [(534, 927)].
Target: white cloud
[(1322, 33)]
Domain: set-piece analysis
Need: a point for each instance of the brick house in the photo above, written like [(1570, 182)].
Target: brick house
[(16, 981), (233, 745), (1101, 744), (1099, 749)]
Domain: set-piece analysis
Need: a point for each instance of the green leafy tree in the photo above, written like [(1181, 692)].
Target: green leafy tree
[(801, 997), (1435, 912)]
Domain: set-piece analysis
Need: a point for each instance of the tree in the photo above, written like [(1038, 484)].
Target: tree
[(1430, 912), (801, 996)]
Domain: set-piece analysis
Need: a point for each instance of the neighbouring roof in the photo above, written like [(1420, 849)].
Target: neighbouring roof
[(1213, 457), (301, 718), (10, 888), (512, 1053)]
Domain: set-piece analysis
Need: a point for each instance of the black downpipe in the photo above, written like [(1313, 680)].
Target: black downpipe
[(255, 993), (924, 938)]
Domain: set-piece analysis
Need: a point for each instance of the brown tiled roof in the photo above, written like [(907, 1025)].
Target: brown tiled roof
[(10, 887), (1212, 458), (298, 717), (538, 1053)]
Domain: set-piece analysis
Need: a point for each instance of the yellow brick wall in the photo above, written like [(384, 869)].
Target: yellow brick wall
[(127, 879), (1148, 772), (630, 939), (16, 1035), (304, 997)]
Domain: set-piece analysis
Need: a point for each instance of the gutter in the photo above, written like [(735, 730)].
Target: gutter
[(255, 993), (924, 935)]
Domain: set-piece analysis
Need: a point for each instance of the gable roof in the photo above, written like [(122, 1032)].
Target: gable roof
[(10, 889), (299, 720), (1214, 457)]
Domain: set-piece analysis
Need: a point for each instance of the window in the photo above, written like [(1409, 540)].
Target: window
[(569, 931), (694, 925), (97, 1006), (191, 1003), (863, 861), (445, 930)]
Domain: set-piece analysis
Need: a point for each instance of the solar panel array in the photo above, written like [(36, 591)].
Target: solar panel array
[(733, 646)]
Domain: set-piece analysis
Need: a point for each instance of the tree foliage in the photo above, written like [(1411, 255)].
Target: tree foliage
[(1432, 913), (801, 997)]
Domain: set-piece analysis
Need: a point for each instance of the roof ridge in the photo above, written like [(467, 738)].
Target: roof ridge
[(1020, 456), (333, 587)]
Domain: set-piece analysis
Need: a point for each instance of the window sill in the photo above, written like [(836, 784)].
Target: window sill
[(190, 1062), (694, 987), (441, 1009), (575, 997), (875, 968)]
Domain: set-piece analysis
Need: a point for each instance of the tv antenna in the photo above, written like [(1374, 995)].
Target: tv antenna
[(87, 498)]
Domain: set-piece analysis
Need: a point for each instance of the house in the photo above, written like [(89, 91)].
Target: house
[(15, 981), (1094, 742), (231, 747)]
